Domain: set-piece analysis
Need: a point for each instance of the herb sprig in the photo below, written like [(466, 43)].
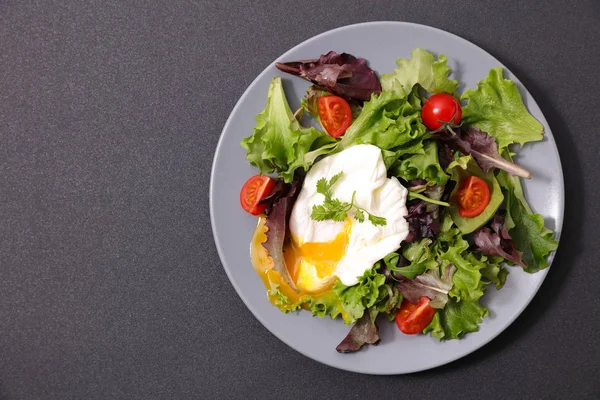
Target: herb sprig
[(336, 210)]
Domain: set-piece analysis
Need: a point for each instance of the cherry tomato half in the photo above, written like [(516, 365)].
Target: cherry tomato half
[(253, 191), (441, 107), (473, 197), (413, 318), (335, 115)]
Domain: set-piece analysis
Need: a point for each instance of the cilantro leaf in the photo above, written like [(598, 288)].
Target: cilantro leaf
[(337, 210), (359, 215), (375, 220), (323, 187), (319, 213)]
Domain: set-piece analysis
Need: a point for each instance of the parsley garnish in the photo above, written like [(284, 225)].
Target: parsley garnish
[(334, 209)]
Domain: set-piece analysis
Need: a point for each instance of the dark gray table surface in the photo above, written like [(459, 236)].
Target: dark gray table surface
[(110, 283)]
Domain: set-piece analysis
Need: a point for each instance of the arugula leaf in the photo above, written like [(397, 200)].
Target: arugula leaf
[(423, 69), (496, 107), (279, 143)]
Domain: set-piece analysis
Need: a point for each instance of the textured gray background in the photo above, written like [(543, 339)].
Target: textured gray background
[(110, 283)]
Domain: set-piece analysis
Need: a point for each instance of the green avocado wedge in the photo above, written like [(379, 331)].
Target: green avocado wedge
[(459, 170)]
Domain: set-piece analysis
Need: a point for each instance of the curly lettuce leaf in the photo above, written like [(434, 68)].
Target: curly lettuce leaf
[(279, 143), (424, 166), (357, 298), (496, 107), (421, 68), (467, 278), (460, 169), (527, 229), (456, 319), (390, 121), (494, 272)]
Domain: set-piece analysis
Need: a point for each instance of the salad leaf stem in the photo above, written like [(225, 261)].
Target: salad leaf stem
[(415, 195)]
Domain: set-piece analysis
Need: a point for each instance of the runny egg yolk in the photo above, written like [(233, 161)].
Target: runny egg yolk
[(311, 265)]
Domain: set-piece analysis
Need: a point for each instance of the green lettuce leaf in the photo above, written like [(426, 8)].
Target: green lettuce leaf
[(281, 301), (467, 278), (527, 229), (460, 170), (356, 299), (435, 327), (390, 121), (496, 107), (421, 68), (456, 319), (494, 272), (279, 143), (425, 166)]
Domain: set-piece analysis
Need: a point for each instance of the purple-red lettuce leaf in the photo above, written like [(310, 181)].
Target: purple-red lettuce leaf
[(364, 331), (497, 242), (482, 148), (430, 284), (342, 74), (277, 227), (421, 224)]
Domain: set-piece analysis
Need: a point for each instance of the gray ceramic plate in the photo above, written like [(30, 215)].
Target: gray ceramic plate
[(381, 43)]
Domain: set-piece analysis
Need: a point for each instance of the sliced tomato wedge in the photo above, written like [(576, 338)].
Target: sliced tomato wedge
[(413, 318), (254, 190), (473, 197), (335, 115)]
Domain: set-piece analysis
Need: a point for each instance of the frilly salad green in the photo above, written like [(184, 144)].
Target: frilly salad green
[(465, 217)]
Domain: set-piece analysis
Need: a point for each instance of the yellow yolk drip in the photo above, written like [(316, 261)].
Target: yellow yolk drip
[(311, 265)]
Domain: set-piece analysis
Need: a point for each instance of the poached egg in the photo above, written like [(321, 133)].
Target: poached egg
[(321, 251)]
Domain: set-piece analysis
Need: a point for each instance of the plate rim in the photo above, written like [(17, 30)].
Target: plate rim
[(557, 228)]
